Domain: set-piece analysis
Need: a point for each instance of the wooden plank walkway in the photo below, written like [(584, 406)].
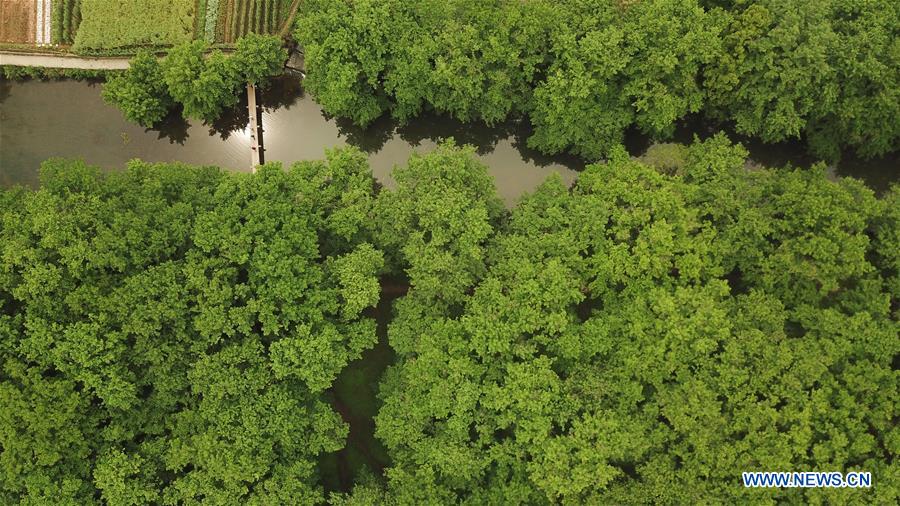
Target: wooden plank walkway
[(254, 127)]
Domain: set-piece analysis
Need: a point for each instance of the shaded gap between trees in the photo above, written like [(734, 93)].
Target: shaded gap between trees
[(354, 395)]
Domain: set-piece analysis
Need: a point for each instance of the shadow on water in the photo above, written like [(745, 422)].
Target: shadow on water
[(696, 126), (173, 127), (426, 127), (877, 173), (5, 89), (523, 131), (354, 395), (280, 93), (435, 127), (370, 139)]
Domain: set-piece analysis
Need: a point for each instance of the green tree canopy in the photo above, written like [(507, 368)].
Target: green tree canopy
[(168, 331), (617, 66), (169, 334), (205, 82), (439, 219), (203, 85), (140, 92), (259, 57), (774, 73), (866, 57), (583, 72), (640, 338)]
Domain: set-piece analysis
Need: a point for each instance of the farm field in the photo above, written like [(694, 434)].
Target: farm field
[(116, 24), (66, 18), (17, 21), (237, 18)]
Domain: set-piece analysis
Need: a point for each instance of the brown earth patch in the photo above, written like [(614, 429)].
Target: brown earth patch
[(226, 14), (17, 20)]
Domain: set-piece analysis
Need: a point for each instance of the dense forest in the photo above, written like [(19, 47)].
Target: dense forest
[(175, 334), (585, 72), (172, 334)]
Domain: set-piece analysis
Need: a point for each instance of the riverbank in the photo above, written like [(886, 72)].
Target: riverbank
[(69, 119), (44, 119)]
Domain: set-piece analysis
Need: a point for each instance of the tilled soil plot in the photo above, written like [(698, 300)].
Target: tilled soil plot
[(17, 20)]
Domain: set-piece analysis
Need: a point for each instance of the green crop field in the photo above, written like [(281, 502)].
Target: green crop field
[(65, 20), (237, 18), (114, 24)]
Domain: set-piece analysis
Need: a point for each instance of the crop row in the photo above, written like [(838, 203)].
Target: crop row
[(237, 18), (65, 18)]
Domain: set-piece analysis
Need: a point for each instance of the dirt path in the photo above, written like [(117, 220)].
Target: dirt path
[(62, 62), (48, 16)]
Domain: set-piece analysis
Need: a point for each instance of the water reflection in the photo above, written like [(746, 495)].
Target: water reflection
[(370, 139), (69, 119), (878, 173), (279, 94), (431, 127)]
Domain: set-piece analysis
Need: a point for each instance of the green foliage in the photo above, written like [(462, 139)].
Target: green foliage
[(140, 92), (16, 73), (472, 60), (670, 158), (774, 72), (203, 85), (204, 82), (825, 69), (109, 24), (348, 44), (866, 57), (259, 57), (645, 338), (583, 72), (615, 69), (886, 244), (173, 334), (438, 220), (166, 333), (341, 191)]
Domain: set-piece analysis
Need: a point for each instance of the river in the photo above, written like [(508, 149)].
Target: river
[(39, 120)]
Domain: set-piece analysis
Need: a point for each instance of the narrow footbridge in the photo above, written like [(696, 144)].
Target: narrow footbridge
[(256, 151), (66, 61)]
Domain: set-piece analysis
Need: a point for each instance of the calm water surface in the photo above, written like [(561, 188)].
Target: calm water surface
[(39, 120)]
